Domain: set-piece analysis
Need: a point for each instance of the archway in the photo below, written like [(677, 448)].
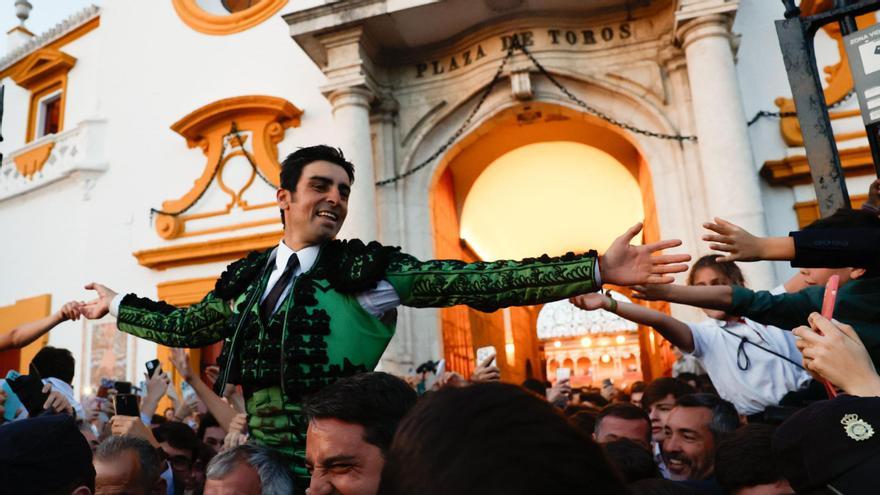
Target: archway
[(499, 157)]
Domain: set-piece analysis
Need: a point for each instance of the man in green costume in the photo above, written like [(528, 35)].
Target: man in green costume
[(298, 317)]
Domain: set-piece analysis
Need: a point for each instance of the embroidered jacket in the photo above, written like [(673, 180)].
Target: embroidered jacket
[(321, 333)]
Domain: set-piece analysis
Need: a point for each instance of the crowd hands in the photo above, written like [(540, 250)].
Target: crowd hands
[(738, 416)]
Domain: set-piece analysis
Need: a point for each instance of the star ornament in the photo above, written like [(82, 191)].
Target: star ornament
[(857, 428)]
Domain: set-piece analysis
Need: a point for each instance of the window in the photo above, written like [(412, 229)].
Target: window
[(49, 117)]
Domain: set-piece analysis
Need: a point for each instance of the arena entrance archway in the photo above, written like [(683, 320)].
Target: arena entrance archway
[(534, 176)]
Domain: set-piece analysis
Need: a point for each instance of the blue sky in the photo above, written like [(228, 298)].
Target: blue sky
[(44, 16)]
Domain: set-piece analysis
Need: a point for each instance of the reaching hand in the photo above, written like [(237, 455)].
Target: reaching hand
[(486, 372), (100, 306), (591, 301), (625, 264), (71, 311), (735, 240), (212, 372), (650, 292), (449, 379), (56, 400), (559, 394), (121, 426), (834, 351), (180, 360), (156, 386), (238, 424)]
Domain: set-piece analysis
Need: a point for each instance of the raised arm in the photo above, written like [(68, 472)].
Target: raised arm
[(488, 286), (198, 325), (222, 412), (710, 297), (26, 333), (676, 332)]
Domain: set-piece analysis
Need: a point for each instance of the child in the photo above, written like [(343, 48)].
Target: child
[(858, 299), (751, 365)]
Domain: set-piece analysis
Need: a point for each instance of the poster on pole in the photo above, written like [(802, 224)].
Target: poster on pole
[(863, 51)]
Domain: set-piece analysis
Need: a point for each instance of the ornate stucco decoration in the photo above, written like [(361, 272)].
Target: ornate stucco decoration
[(196, 17), (245, 126)]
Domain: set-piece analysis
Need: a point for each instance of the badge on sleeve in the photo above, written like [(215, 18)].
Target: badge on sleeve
[(857, 428)]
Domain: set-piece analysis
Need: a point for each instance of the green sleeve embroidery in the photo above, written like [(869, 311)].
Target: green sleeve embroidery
[(488, 286), (201, 324)]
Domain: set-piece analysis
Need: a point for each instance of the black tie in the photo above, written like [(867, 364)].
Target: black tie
[(267, 307)]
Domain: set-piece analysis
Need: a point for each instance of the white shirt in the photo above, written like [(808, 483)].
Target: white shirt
[(376, 301), (768, 377)]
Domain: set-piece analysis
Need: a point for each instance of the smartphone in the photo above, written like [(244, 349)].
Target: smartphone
[(126, 405), (438, 372), (563, 374), (122, 387), (12, 404), (483, 354), (828, 302), (441, 367), (152, 366), (189, 393)]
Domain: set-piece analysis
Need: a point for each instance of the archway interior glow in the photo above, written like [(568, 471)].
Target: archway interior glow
[(549, 197)]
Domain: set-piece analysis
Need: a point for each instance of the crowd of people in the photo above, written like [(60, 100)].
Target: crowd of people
[(769, 397)]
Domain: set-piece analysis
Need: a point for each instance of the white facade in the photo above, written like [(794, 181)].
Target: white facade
[(144, 68)]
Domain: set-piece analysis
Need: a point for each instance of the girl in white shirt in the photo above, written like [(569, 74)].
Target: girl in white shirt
[(751, 365)]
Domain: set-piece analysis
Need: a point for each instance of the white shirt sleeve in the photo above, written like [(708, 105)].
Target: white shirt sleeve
[(114, 304), (380, 300), (699, 334)]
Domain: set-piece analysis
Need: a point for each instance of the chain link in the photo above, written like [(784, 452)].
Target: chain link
[(766, 113)]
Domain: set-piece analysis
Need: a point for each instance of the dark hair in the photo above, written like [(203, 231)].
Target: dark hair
[(727, 268), (637, 386), (624, 410), (633, 461), (148, 458), (293, 165), (724, 416), (661, 387), (744, 458), (535, 386), (705, 385), (584, 420), (377, 401), (207, 421), (492, 438), (687, 376), (178, 435), (594, 398), (52, 362), (847, 218)]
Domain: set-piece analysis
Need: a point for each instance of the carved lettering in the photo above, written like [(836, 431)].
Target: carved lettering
[(453, 64), (625, 31), (467, 57), (607, 34), (571, 37), (438, 69), (480, 52), (420, 69), (554, 36), (589, 38)]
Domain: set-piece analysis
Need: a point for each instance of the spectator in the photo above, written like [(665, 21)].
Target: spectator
[(686, 376), (248, 470), (631, 459), (351, 424), (45, 455), (493, 438), (659, 399), (56, 367), (832, 446), (180, 445), (635, 392), (745, 464), (210, 433), (584, 420), (128, 465), (623, 420), (26, 333), (537, 387), (692, 432), (89, 434)]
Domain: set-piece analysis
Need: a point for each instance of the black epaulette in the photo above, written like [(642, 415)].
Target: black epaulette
[(238, 275)]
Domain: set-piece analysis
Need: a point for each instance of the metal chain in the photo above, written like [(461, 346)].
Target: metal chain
[(766, 113), (250, 158), (563, 89), (460, 129)]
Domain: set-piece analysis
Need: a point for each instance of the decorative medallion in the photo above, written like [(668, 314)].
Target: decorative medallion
[(856, 428)]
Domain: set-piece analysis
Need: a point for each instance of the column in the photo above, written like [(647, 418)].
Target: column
[(351, 114), (729, 172)]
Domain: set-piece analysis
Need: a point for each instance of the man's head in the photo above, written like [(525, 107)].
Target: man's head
[(180, 445), (692, 431), (52, 362), (351, 424), (128, 465), (843, 218), (659, 399), (623, 420), (313, 197), (745, 464), (247, 470), (636, 390), (210, 433), (492, 438), (45, 455), (632, 460)]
